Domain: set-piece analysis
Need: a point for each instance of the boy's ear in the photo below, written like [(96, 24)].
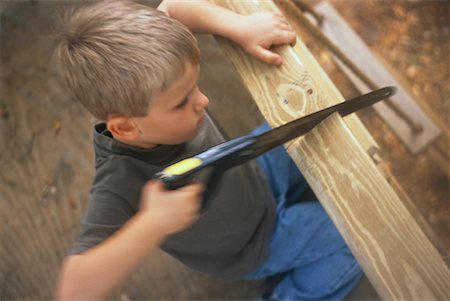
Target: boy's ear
[(122, 128)]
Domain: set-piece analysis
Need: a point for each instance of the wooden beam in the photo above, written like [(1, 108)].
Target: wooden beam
[(391, 247)]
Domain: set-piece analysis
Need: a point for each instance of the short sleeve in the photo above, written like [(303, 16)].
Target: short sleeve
[(106, 213)]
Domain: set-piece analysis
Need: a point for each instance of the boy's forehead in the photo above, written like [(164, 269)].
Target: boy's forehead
[(180, 87), (186, 80)]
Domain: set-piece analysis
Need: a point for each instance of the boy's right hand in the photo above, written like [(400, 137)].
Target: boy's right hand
[(93, 274), (175, 210)]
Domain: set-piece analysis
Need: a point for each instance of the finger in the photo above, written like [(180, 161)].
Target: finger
[(199, 187), (194, 187), (152, 185), (155, 185), (278, 14), (285, 37), (284, 26), (267, 56), (150, 189), (293, 39), (281, 18)]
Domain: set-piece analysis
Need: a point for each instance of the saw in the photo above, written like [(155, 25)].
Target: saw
[(226, 155)]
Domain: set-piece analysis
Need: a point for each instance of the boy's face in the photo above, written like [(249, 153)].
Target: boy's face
[(176, 115)]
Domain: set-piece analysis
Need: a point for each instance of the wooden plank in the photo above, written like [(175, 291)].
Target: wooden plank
[(338, 31), (331, 92), (392, 249)]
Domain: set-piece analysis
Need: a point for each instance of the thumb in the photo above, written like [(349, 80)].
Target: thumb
[(267, 56), (152, 187)]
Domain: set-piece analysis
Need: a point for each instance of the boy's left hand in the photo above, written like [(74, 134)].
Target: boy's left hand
[(259, 31)]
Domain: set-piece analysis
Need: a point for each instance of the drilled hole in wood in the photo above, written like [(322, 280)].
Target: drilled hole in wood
[(309, 91)]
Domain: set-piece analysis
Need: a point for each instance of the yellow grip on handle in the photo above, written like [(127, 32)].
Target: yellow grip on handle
[(182, 167)]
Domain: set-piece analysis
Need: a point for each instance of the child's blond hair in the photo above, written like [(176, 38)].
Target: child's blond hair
[(116, 56)]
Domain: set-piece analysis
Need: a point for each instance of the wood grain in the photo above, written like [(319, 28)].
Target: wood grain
[(289, 80), (393, 250)]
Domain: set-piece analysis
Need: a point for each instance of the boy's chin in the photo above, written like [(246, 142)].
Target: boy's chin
[(181, 140), (184, 139)]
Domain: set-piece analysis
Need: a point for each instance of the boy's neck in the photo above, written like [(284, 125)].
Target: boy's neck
[(140, 144)]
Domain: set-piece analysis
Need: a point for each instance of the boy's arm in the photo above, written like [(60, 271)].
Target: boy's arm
[(94, 274), (255, 33)]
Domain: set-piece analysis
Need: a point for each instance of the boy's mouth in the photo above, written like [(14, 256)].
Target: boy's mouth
[(201, 119)]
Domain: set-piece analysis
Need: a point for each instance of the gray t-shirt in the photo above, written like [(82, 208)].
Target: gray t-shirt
[(232, 235)]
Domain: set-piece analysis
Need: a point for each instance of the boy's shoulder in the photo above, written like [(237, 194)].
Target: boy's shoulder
[(123, 169), (120, 170)]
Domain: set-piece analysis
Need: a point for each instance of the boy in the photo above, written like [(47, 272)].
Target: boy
[(137, 69)]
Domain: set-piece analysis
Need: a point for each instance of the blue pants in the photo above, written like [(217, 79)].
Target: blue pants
[(305, 245)]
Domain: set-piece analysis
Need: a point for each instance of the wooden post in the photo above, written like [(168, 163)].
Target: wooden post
[(394, 252)]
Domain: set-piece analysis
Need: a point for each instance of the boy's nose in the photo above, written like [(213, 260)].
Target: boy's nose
[(202, 102)]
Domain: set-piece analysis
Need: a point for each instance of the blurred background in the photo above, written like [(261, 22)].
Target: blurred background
[(46, 157)]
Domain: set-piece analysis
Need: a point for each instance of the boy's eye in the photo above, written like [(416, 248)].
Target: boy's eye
[(182, 104), (186, 98)]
